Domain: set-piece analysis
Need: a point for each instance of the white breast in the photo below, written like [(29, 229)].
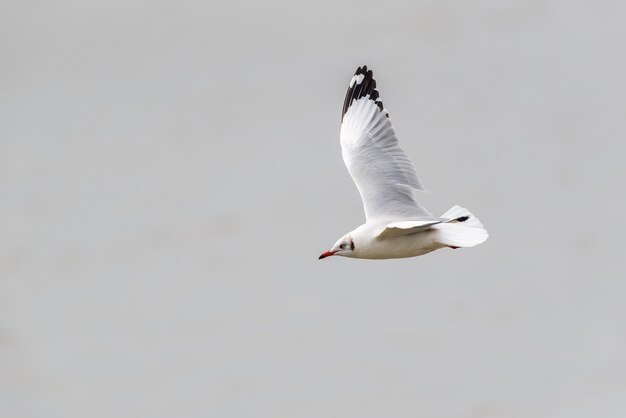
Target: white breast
[(368, 246)]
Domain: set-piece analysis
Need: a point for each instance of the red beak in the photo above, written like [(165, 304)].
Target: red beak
[(327, 254)]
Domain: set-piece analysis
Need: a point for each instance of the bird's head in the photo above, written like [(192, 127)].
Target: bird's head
[(343, 247)]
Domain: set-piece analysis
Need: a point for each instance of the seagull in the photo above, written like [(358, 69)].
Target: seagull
[(396, 225)]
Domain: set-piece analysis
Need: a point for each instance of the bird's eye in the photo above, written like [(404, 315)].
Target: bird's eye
[(343, 246)]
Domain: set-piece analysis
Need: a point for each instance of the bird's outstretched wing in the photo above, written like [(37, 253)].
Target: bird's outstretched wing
[(397, 229), (381, 170)]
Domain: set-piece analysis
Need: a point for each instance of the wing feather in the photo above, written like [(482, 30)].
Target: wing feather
[(396, 229), (381, 170)]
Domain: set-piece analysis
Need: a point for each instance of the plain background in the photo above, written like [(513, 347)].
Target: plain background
[(170, 171)]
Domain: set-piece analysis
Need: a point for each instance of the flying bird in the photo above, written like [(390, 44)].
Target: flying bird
[(396, 225)]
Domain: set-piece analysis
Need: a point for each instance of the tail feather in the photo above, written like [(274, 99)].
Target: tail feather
[(460, 229)]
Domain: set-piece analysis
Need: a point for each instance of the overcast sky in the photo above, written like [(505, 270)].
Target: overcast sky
[(170, 171)]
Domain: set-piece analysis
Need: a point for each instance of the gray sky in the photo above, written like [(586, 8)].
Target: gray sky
[(170, 171)]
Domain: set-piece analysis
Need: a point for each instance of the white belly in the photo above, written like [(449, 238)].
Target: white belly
[(404, 246)]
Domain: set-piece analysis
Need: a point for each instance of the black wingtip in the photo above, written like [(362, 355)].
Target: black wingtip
[(362, 84)]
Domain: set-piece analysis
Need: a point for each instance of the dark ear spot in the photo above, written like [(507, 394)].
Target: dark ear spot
[(351, 245)]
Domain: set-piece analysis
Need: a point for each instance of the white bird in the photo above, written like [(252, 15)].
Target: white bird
[(396, 225)]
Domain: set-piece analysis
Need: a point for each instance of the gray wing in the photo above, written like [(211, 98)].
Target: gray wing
[(381, 170)]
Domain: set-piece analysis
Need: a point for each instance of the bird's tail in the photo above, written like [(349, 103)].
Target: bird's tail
[(461, 229)]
